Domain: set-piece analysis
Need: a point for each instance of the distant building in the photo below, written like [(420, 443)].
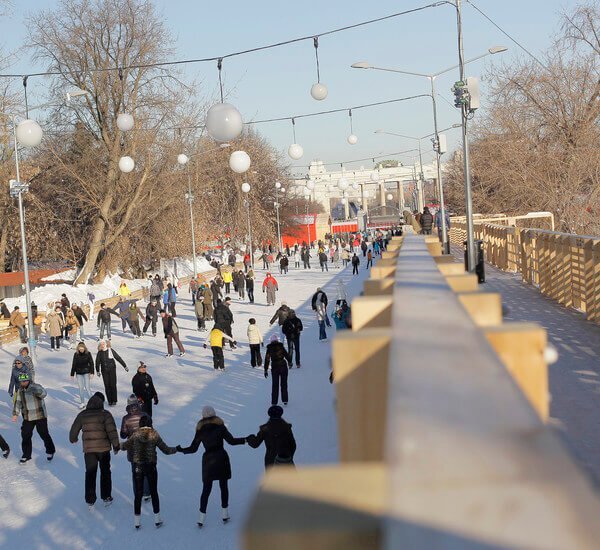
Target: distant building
[(369, 190)]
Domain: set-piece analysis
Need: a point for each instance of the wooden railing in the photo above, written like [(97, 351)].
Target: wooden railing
[(563, 266), (442, 434)]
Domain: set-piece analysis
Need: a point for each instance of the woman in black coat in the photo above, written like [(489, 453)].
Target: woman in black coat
[(278, 438), (143, 388), (107, 368), (211, 432)]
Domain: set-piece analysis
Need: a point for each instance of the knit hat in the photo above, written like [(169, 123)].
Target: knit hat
[(208, 412), (274, 338), (100, 395), (24, 377), (275, 411), (284, 303), (132, 400), (146, 421)]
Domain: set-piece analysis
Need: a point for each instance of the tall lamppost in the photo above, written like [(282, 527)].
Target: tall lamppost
[(246, 189), (183, 160), (439, 145), (277, 188)]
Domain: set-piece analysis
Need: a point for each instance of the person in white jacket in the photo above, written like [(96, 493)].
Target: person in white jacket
[(255, 340)]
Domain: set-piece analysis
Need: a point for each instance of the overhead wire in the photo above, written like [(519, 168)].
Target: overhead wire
[(313, 37)]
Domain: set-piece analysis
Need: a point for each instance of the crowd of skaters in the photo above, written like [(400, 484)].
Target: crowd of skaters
[(139, 438)]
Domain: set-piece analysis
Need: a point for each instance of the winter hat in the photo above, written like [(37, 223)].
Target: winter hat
[(274, 338), (132, 400), (100, 395), (275, 411), (208, 412), (284, 303), (146, 421)]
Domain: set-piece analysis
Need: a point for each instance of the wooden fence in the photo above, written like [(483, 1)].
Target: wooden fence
[(441, 411), (563, 266)]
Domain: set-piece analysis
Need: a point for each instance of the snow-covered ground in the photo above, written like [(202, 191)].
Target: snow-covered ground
[(42, 504)]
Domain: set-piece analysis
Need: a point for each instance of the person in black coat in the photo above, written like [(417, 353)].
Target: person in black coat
[(279, 359), (212, 432), (152, 310), (250, 288), (83, 368), (278, 438), (224, 317), (292, 327), (107, 369), (426, 221), (143, 388)]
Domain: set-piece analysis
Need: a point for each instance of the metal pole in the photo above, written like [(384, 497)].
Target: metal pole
[(250, 234), (278, 226), (30, 335), (421, 175), (445, 243), (190, 202), (467, 173)]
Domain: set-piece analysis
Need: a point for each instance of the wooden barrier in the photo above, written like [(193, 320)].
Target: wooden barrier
[(440, 431), (565, 267)]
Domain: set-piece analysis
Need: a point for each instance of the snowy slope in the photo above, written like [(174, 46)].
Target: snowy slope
[(42, 505)]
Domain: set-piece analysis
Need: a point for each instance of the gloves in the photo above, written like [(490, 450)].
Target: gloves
[(115, 451), (179, 449), (156, 400), (204, 346), (126, 369), (266, 374)]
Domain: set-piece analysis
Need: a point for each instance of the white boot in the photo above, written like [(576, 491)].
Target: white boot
[(137, 521), (225, 514), (201, 519), (157, 521)]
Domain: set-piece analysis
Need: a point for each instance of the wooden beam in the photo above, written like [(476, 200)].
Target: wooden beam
[(485, 308), (379, 287), (463, 283), (521, 348), (382, 272), (455, 268), (360, 369), (325, 507), (386, 254), (371, 312)]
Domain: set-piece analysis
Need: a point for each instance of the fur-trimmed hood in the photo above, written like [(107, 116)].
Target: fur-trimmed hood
[(211, 420)]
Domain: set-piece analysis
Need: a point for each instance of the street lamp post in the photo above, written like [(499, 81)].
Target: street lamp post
[(277, 187), (436, 139), (246, 189)]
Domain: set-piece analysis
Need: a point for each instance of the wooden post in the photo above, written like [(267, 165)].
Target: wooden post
[(382, 272), (485, 308), (371, 312), (360, 369), (338, 506), (521, 348), (379, 287), (463, 283)]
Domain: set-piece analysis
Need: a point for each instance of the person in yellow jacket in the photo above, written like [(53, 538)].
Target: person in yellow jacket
[(124, 290), (216, 338), (227, 279)]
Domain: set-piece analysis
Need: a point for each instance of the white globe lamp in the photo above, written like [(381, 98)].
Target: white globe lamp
[(224, 122), (390, 196), (375, 175), (124, 122), (283, 189), (295, 151), (182, 159), (239, 161), (310, 184), (355, 186), (29, 133), (352, 139), (343, 184), (126, 164), (246, 187), (318, 91), (306, 191), (277, 185)]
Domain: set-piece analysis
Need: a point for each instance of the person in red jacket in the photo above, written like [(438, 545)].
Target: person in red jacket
[(271, 287)]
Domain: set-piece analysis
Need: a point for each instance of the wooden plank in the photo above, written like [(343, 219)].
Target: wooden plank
[(325, 507), (521, 347), (454, 268), (360, 368), (378, 287), (463, 283), (485, 308), (386, 254), (382, 272), (371, 312)]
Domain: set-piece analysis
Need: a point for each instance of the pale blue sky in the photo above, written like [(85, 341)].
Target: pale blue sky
[(277, 82)]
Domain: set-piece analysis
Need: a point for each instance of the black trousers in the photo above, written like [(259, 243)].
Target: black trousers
[(218, 359), (251, 295), (369, 263), (109, 377), (3, 444), (146, 491), (227, 288), (255, 356), (207, 488), (279, 376), (134, 325), (293, 343), (147, 406), (150, 321), (201, 323), (143, 473), (354, 269), (54, 342), (91, 468), (172, 309), (27, 432), (324, 266)]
